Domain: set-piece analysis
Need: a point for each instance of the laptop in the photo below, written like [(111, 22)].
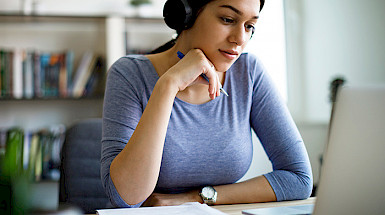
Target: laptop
[(353, 174)]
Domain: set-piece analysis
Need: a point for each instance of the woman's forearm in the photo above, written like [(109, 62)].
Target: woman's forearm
[(253, 190), (135, 170)]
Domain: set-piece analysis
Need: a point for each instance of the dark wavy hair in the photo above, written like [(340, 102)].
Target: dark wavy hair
[(197, 6)]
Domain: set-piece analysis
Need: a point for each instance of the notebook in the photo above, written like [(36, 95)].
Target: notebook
[(189, 208), (353, 174)]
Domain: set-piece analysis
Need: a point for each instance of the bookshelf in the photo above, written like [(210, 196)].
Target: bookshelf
[(50, 34), (108, 37)]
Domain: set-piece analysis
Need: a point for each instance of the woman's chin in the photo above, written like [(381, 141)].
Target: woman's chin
[(222, 68)]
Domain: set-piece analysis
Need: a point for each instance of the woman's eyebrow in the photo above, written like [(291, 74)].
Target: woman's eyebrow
[(236, 10)]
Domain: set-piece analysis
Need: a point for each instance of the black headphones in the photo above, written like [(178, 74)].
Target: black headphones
[(178, 14)]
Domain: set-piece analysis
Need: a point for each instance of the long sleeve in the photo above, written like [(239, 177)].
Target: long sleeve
[(123, 107), (291, 177)]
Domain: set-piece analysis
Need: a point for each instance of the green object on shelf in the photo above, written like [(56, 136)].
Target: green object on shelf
[(12, 164), (13, 180), (137, 3)]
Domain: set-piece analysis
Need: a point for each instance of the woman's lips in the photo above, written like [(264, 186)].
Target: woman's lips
[(229, 54)]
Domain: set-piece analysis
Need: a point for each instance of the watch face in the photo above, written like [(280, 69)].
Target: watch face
[(208, 192)]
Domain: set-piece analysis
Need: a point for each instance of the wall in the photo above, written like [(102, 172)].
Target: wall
[(326, 39), (81, 7), (268, 43)]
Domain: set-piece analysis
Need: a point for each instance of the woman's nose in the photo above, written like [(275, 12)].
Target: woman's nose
[(238, 36)]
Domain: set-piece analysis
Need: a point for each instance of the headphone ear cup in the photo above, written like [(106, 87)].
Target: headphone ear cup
[(177, 14)]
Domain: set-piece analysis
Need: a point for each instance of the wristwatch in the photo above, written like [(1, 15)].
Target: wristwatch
[(209, 195)]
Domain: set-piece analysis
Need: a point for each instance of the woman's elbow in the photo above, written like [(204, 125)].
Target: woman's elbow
[(307, 191), (306, 187)]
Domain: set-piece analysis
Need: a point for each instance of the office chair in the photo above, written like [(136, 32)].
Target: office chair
[(80, 183)]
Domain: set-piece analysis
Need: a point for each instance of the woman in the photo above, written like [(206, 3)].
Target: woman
[(171, 137)]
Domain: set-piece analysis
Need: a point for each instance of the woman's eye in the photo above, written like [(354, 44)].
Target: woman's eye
[(250, 28), (227, 20)]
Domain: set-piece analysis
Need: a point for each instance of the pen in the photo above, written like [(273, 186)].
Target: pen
[(181, 55)]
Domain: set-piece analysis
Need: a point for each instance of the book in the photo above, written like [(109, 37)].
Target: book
[(28, 74), (26, 148), (96, 82), (3, 73), (37, 74), (69, 61), (63, 76), (34, 164), (52, 76), (3, 139), (17, 78), (83, 73), (9, 72), (51, 140), (46, 147), (6, 73), (43, 75)]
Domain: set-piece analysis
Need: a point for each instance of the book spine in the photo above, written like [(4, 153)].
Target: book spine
[(38, 157), (33, 153), (95, 86), (62, 76), (28, 74), (37, 74), (3, 139), (2, 73), (17, 74), (82, 74), (52, 76), (69, 61), (26, 149), (9, 72), (44, 74)]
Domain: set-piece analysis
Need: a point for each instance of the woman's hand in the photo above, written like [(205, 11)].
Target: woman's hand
[(188, 70), (159, 199)]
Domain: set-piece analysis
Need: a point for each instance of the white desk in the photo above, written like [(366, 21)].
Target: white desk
[(237, 209)]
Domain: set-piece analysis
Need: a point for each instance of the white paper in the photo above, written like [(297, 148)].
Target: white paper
[(191, 208), (286, 210)]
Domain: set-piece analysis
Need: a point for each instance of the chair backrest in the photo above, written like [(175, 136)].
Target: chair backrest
[(80, 182)]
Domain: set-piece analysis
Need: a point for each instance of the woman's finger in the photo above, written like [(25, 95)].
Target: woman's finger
[(219, 87), (218, 84)]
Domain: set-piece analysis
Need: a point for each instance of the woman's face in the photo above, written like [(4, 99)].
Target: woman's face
[(222, 30)]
